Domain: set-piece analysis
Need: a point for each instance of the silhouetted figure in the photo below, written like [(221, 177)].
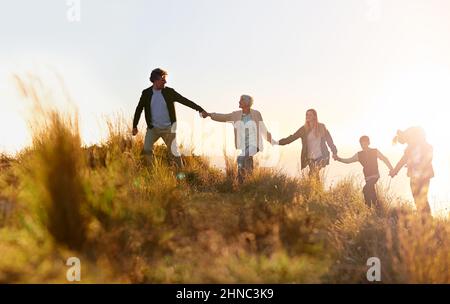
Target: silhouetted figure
[(157, 102), (418, 158), (249, 131), (368, 158), (315, 138)]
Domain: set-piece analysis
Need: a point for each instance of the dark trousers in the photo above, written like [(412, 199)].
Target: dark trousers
[(245, 167), (370, 193)]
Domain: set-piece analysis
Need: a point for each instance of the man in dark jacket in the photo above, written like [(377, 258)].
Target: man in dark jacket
[(157, 102)]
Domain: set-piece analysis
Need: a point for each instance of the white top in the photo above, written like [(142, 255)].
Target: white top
[(160, 113), (314, 149), (247, 133)]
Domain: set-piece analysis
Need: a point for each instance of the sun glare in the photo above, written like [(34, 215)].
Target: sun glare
[(422, 98)]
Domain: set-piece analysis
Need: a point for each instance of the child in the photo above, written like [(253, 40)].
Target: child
[(368, 158)]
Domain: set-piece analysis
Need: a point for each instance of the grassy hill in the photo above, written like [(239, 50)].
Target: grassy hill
[(132, 223)]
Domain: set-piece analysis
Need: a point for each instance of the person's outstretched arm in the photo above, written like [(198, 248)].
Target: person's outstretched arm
[(385, 160), (291, 138), (330, 142), (399, 165), (221, 117), (184, 101), (350, 160)]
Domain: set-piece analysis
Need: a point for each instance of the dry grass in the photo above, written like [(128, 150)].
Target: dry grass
[(132, 223)]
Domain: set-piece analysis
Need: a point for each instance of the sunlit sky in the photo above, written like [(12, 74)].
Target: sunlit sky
[(368, 67)]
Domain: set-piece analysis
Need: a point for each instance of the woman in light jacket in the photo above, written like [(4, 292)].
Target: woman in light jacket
[(418, 158), (315, 138)]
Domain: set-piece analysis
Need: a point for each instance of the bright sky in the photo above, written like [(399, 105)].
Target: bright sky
[(368, 67)]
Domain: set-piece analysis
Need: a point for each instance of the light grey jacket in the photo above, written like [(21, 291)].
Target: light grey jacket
[(236, 118)]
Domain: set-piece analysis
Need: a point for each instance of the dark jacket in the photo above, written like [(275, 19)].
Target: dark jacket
[(325, 139), (170, 96)]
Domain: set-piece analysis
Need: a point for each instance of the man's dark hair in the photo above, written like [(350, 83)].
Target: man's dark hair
[(364, 138), (157, 74)]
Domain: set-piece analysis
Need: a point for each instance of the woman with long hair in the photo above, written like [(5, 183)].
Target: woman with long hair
[(418, 158), (315, 138)]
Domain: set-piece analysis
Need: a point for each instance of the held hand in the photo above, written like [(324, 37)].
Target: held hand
[(135, 131), (274, 142), (336, 157), (392, 173), (204, 114)]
